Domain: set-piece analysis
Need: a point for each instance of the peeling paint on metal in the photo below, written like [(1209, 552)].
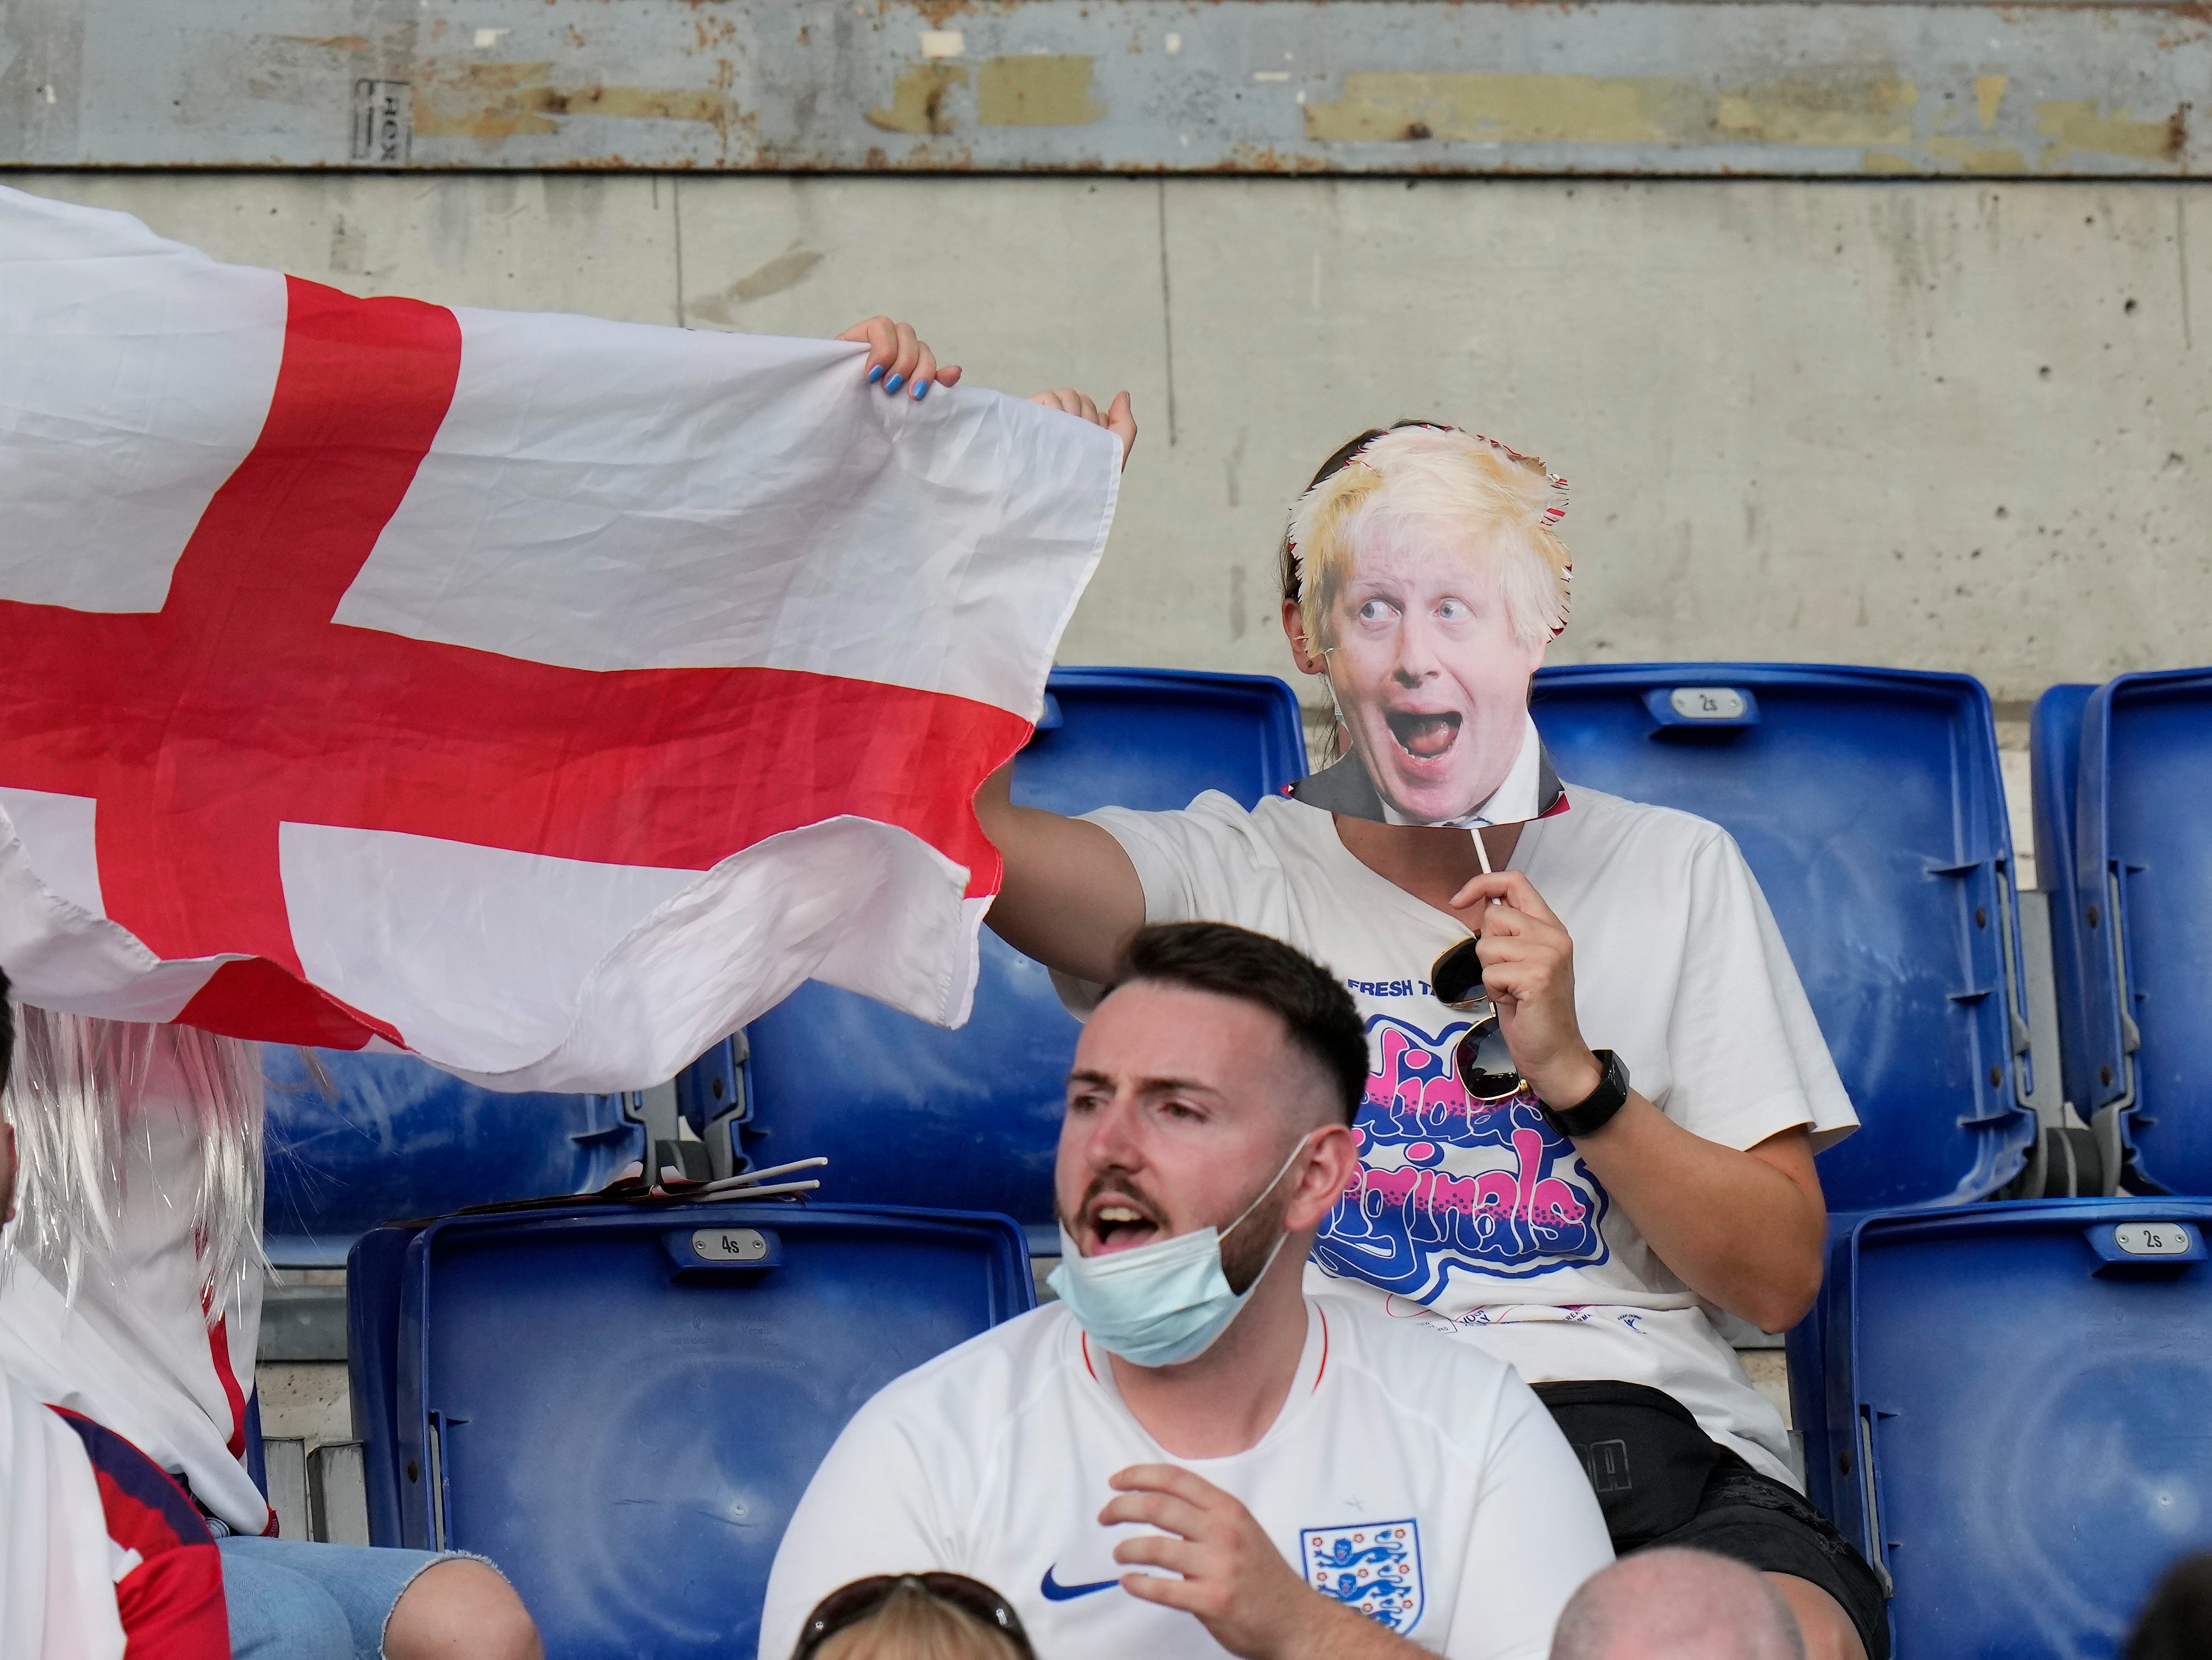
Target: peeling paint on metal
[(1973, 156), (2083, 126), (1042, 90), (1491, 109), (1988, 98), (918, 100), (1803, 110), (1654, 86), (1576, 109), (492, 102)]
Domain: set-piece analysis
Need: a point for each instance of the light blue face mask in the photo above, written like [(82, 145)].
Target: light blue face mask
[(1162, 1304)]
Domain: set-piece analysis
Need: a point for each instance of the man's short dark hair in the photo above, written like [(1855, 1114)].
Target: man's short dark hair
[(1315, 1008)]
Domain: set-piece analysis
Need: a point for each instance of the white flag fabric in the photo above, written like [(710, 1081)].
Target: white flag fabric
[(542, 694)]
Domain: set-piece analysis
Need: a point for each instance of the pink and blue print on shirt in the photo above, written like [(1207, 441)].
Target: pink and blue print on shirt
[(1488, 1188)]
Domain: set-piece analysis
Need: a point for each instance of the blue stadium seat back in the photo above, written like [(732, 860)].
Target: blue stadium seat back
[(2142, 880), (374, 1268), (909, 1113), (1870, 805), (401, 1139), (2023, 1446), (2054, 748), (623, 1408)]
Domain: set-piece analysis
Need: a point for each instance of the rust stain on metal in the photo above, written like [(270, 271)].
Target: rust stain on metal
[(934, 12), (918, 98), (1266, 158), (1044, 90), (494, 102), (2082, 127)]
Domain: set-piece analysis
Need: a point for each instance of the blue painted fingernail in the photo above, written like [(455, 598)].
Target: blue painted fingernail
[(875, 375), (920, 390), (895, 383)]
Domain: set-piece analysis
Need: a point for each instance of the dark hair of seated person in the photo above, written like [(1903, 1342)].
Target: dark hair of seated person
[(914, 1616), (1315, 1010), (2176, 1624)]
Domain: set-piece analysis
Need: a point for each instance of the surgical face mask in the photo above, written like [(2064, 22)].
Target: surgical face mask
[(1165, 1303)]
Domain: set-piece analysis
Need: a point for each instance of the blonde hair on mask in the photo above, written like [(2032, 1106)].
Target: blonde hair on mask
[(913, 1625), (1428, 485)]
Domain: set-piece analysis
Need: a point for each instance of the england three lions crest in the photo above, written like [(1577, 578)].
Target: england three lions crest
[(1375, 1568)]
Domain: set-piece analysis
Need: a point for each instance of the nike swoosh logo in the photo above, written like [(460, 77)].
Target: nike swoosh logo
[(1055, 1592)]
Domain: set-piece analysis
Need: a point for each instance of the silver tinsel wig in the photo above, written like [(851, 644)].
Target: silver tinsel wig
[(78, 1098)]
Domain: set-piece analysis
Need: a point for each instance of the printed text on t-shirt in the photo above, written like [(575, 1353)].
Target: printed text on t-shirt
[(1488, 1188)]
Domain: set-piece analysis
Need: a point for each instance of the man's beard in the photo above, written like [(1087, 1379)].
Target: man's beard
[(1246, 1253)]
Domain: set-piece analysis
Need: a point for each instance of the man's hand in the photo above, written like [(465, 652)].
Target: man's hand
[(1529, 964), (1118, 419), (897, 357), (1234, 1580), (1741, 1229)]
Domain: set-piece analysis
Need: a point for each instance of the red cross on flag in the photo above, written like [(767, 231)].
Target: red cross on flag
[(546, 696)]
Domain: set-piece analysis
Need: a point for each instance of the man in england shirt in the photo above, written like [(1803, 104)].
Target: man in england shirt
[(1314, 1479)]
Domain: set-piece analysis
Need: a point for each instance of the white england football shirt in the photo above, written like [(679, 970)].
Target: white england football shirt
[(1482, 1218), (1411, 1477)]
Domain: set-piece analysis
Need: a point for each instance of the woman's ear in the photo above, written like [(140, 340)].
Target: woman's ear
[(1308, 661)]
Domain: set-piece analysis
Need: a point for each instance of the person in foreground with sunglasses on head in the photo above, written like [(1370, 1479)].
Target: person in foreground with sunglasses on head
[(914, 1616), (1595, 1086), (1186, 1453)]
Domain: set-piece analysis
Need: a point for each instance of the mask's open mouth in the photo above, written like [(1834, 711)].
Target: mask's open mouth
[(1423, 735), (1116, 1223)]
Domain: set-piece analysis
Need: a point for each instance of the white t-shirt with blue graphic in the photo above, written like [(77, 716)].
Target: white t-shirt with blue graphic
[(1414, 1478), (1484, 1219)]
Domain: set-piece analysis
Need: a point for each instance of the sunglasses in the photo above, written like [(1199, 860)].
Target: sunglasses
[(848, 1605), (1482, 1059)]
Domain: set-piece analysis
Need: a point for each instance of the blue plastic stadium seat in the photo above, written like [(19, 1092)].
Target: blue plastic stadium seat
[(909, 1113), (2018, 1437), (2054, 786), (2142, 910), (395, 1137), (1869, 804), (622, 1407)]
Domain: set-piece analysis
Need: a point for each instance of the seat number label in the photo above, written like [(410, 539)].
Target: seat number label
[(1706, 703), (2153, 1238), (729, 1245)]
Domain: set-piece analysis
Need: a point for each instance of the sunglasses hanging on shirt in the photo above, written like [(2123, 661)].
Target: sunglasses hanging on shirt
[(1482, 1059)]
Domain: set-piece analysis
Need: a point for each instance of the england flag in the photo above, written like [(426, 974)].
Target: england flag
[(544, 695)]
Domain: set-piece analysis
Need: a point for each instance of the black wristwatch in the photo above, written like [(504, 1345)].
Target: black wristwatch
[(1594, 1111)]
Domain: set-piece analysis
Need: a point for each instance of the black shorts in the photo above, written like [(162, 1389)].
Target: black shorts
[(1662, 1480)]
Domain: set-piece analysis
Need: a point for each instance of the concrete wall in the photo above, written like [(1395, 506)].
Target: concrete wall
[(1938, 425)]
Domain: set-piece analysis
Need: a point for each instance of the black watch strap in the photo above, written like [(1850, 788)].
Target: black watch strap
[(1594, 1110)]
